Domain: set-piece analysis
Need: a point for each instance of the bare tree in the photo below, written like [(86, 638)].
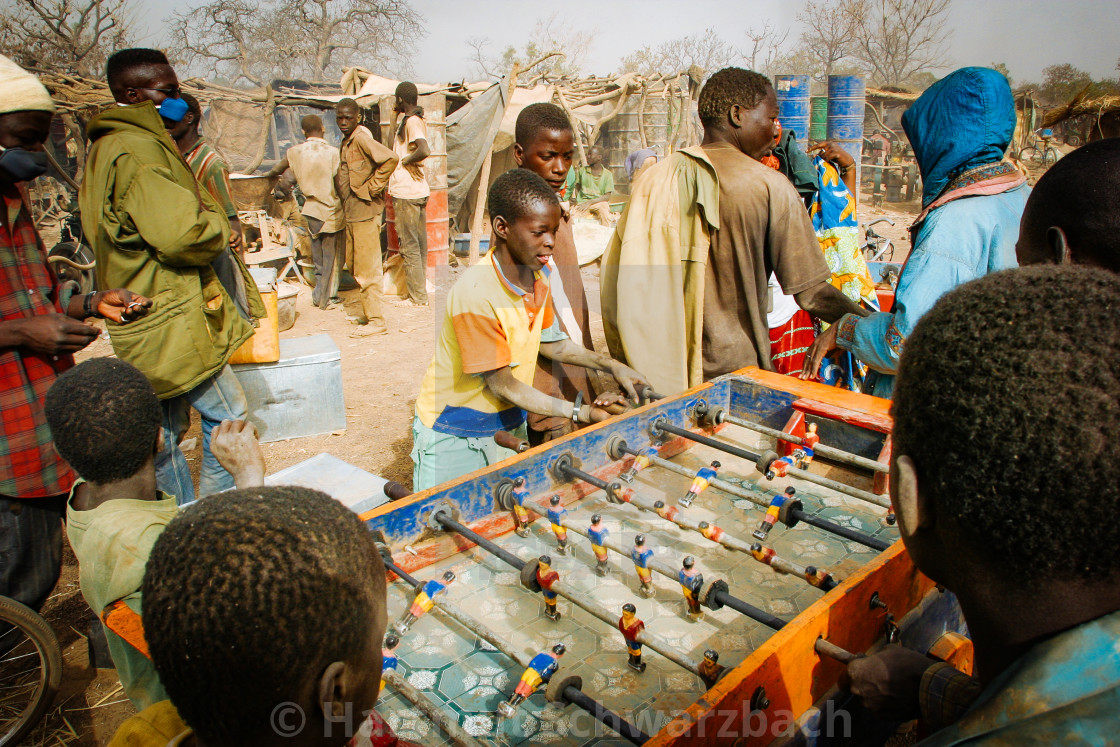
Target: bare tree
[(73, 36), (899, 38), (829, 33), (764, 46), (706, 51), (340, 32), (550, 34), (241, 40)]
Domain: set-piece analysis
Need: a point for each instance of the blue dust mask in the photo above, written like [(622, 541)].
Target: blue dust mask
[(23, 165), (173, 109)]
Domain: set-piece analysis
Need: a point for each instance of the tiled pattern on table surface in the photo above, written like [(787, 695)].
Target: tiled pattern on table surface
[(468, 678)]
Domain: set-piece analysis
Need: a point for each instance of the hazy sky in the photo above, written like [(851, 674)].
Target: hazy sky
[(1026, 34)]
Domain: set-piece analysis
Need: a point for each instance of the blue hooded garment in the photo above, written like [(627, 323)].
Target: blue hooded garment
[(961, 122)]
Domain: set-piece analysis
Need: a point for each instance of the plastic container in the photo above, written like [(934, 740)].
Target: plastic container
[(463, 245), (793, 105), (300, 394), (354, 488), (286, 306), (264, 345)]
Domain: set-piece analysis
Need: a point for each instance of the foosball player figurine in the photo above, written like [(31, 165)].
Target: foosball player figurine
[(810, 439), (780, 467), (710, 669), (692, 580), (389, 656), (520, 494), (641, 555), (641, 461), (423, 602), (699, 484), (630, 626), (539, 672), (714, 533), (772, 513), (598, 534), (665, 512), (556, 514), (546, 577)]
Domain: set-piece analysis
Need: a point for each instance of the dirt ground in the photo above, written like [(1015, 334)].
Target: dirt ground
[(380, 377)]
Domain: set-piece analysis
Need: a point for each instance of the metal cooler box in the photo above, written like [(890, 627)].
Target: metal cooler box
[(358, 490), (300, 394)]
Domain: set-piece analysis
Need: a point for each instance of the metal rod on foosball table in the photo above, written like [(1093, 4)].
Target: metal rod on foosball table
[(878, 500), (444, 721), (836, 455), (724, 598), (572, 694), (720, 484), (756, 550), (653, 641)]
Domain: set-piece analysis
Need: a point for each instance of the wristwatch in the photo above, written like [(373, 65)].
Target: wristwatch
[(88, 308), (576, 407)]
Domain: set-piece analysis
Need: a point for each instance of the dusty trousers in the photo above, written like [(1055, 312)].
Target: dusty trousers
[(363, 255), (412, 229)]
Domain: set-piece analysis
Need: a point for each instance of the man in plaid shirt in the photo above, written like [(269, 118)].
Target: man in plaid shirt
[(39, 332)]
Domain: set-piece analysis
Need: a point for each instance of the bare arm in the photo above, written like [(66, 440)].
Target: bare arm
[(826, 302), (278, 169), (567, 351), (503, 385), (421, 152)]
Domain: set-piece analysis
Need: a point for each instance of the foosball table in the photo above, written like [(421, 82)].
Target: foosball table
[(693, 571)]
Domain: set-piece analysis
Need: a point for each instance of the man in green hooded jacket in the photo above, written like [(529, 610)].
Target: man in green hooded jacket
[(155, 232)]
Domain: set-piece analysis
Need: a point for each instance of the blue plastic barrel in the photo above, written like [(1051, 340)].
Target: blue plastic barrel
[(793, 105), (846, 103)]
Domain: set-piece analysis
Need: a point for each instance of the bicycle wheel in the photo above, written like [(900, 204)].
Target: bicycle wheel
[(1030, 153), (1050, 157), (30, 670)]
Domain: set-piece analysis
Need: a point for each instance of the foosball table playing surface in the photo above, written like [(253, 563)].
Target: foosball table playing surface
[(686, 573)]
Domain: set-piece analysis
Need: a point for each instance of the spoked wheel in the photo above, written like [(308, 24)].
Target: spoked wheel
[(30, 670), (73, 261), (1030, 153), (1050, 157)]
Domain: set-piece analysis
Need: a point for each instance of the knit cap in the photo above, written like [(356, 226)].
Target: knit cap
[(20, 90)]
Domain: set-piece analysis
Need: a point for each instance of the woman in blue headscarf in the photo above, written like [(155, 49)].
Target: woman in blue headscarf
[(972, 200)]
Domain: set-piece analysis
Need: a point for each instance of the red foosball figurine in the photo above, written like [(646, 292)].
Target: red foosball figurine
[(710, 669), (423, 602), (520, 494), (780, 467), (641, 556), (641, 461), (598, 534), (546, 577), (809, 447), (556, 514), (772, 513), (692, 580), (539, 672), (665, 512), (630, 626), (699, 484)]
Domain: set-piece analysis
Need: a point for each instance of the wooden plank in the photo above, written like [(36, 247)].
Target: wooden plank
[(871, 421), (829, 395), (787, 666)]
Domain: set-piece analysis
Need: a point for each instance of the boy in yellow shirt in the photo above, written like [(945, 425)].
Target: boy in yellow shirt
[(499, 317)]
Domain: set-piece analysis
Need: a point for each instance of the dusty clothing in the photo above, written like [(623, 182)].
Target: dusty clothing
[(653, 271), (553, 378), (315, 163), (411, 217), (363, 173), (288, 211), (112, 543), (763, 228), (409, 182), (363, 256), (155, 232)]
